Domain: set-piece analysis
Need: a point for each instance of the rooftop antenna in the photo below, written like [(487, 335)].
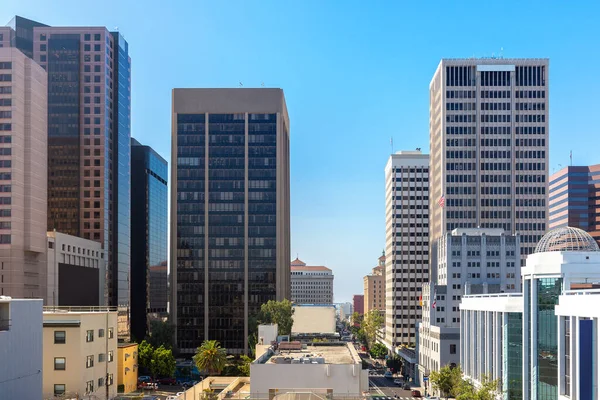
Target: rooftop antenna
[(501, 52), (571, 157), (241, 84)]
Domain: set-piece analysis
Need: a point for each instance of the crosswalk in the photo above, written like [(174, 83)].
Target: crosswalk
[(390, 398)]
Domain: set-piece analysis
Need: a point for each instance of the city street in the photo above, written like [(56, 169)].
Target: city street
[(384, 388)]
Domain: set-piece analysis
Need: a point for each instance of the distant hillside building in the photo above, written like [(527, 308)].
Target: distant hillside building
[(311, 284)]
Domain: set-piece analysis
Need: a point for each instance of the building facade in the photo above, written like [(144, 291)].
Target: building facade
[(489, 130), (374, 288), (559, 328), (149, 242), (21, 348), (80, 349), (89, 123), (358, 304), (127, 365), (491, 340), (574, 199), (407, 247), (23, 168), (466, 261), (311, 284), (76, 271), (230, 205)]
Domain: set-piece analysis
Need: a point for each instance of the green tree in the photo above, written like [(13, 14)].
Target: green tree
[(487, 390), (378, 351), (210, 357), (394, 362), (372, 322), (446, 380), (162, 363), (145, 353), (245, 365), (278, 312), (161, 334), (357, 318)]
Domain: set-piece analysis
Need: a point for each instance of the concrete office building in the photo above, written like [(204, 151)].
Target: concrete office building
[(149, 242), (406, 247), (80, 350), (374, 288), (23, 168), (556, 348), (489, 130), (21, 348), (573, 197), (89, 113), (230, 205), (467, 261), (76, 271), (311, 284)]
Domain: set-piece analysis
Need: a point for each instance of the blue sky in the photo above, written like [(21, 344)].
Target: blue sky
[(354, 73)]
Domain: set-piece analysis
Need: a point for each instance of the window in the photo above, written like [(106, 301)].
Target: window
[(110, 333), (100, 382), (89, 336), (452, 349), (89, 386), (110, 356), (60, 337), (101, 357), (89, 362), (87, 37), (100, 332), (59, 389), (6, 65), (43, 37), (96, 36), (60, 363)]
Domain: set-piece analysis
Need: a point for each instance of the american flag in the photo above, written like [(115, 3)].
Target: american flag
[(442, 201), (434, 301)]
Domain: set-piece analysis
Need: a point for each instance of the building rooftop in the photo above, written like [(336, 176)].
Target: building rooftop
[(566, 239), (478, 231), (310, 268), (332, 354), (78, 309)]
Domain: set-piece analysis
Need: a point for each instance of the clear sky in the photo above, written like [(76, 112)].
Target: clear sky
[(354, 73)]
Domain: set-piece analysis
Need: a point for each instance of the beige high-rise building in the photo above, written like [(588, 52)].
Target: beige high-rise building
[(23, 173), (374, 287), (311, 284), (489, 147), (406, 243)]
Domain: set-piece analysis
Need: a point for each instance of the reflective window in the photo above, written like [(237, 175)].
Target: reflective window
[(548, 290)]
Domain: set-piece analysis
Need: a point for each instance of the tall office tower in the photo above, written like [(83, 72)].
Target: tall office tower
[(573, 196), (374, 287), (489, 135), (311, 284), (23, 190), (149, 242), (89, 104), (230, 205), (406, 247)]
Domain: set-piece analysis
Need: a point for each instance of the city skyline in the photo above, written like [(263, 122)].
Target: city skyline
[(371, 77)]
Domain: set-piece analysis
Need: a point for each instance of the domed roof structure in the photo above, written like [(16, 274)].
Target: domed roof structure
[(567, 239)]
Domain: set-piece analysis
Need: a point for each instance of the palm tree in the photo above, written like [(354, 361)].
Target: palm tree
[(210, 357)]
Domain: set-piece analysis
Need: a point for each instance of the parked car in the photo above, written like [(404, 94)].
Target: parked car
[(388, 375), (416, 393), (144, 378), (148, 385), (172, 397), (398, 381), (167, 381), (406, 386), (150, 398)]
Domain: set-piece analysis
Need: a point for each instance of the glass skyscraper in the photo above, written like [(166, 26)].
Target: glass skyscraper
[(230, 212), (89, 118), (149, 227)]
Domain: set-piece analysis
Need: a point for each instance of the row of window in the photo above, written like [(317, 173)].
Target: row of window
[(61, 388)]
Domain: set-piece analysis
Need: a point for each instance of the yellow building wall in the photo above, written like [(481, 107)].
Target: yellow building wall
[(128, 366)]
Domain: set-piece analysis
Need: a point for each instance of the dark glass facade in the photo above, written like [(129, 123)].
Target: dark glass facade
[(231, 219), (64, 161), (548, 290), (149, 219), (513, 359), (121, 180)]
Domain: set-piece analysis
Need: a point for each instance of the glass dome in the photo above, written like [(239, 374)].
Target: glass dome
[(567, 239)]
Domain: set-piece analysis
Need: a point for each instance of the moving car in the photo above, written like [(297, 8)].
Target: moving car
[(398, 381), (406, 386), (167, 381), (416, 393)]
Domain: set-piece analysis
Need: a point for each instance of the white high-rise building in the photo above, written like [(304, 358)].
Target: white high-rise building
[(406, 247), (489, 130)]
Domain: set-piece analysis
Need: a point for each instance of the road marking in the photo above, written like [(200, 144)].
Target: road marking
[(376, 387)]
